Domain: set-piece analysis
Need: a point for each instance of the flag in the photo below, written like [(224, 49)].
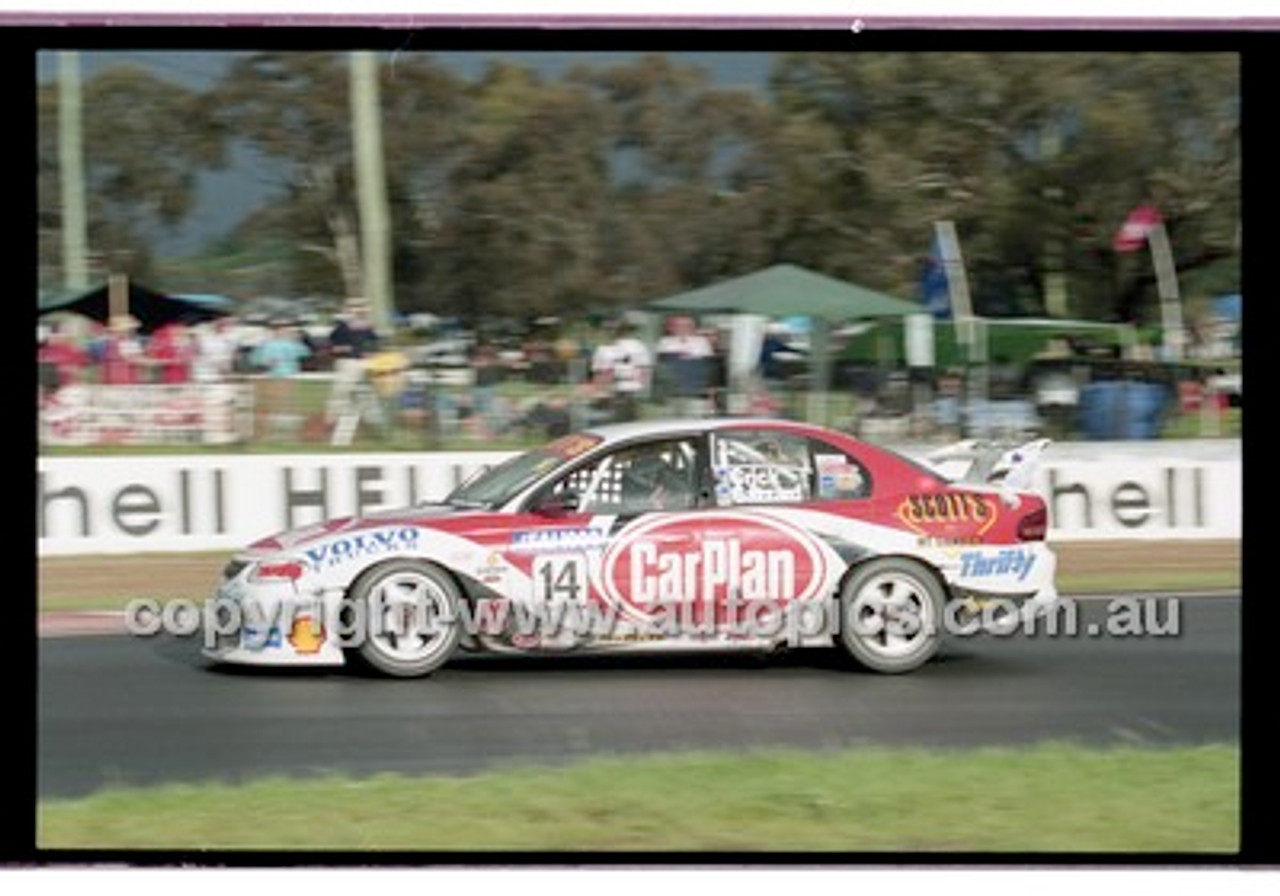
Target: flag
[(933, 284), (1132, 236)]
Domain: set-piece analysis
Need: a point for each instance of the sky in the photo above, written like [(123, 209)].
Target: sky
[(225, 197)]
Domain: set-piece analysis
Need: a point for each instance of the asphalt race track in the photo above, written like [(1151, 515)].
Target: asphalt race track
[(123, 710)]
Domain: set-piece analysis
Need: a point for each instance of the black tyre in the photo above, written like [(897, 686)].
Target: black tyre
[(891, 615), (409, 617)]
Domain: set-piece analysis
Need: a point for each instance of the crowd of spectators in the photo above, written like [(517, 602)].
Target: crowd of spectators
[(118, 354), (581, 376)]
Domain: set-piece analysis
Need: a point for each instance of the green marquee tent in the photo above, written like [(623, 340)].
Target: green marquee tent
[(784, 290)]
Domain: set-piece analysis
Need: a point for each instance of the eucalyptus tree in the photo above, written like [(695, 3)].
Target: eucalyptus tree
[(1038, 157), (294, 109), (146, 140)]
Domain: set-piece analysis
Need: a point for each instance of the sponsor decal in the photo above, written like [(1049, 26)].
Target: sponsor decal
[(361, 545), (307, 634), (939, 541), (919, 513), (759, 483), (837, 476), (258, 639), (1015, 562), (576, 538), (493, 571), (711, 559)]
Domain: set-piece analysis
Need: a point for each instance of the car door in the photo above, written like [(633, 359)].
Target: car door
[(601, 503), (768, 488)]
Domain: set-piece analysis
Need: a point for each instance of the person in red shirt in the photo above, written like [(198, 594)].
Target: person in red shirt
[(122, 353), (173, 351), (61, 359)]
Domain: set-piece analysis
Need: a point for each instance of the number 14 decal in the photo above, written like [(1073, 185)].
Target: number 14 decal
[(560, 577)]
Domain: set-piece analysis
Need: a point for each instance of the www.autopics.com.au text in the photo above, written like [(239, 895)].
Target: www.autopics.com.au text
[(794, 623)]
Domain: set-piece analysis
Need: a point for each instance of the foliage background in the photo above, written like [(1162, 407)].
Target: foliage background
[(619, 179)]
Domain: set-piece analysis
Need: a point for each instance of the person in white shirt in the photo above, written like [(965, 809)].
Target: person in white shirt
[(623, 367), (216, 355), (686, 355)]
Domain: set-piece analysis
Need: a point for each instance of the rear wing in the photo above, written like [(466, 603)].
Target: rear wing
[(1004, 467)]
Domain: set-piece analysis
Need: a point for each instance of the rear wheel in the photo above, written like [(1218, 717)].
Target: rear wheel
[(410, 624), (891, 615)]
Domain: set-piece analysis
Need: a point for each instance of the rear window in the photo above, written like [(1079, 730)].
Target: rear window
[(767, 466)]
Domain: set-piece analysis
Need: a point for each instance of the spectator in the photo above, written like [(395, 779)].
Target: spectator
[(353, 336), (280, 356), (550, 418), (122, 352), (216, 351), (622, 368), (686, 356), (62, 362), (172, 350), (717, 373), (488, 374), (95, 347), (777, 356), (352, 340), (947, 403)]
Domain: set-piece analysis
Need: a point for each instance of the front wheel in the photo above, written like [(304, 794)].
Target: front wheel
[(410, 622), (891, 615)]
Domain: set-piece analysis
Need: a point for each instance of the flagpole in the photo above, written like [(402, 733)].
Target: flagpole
[(961, 304), (1145, 224), (1167, 285)]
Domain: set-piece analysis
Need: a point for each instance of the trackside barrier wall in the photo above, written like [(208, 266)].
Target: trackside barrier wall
[(118, 505)]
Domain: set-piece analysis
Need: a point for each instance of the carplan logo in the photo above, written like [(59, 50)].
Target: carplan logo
[(711, 560)]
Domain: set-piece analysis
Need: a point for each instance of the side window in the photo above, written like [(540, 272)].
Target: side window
[(839, 476), (637, 479), (760, 467), (771, 467)]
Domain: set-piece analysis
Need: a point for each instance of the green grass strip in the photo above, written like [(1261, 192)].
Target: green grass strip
[(1048, 798), (1078, 584)]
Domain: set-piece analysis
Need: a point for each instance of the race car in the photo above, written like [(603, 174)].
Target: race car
[(722, 533)]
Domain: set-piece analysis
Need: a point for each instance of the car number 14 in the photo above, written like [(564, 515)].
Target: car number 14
[(559, 577)]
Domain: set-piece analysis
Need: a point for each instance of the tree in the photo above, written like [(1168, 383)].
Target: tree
[(518, 235), (294, 108), (145, 142), (677, 149), (1037, 157)]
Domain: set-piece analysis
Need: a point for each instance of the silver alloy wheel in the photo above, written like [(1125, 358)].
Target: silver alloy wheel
[(411, 617), (891, 615)]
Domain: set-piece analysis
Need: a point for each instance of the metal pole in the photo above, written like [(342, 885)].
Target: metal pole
[(375, 226), (819, 370), (75, 269), (117, 296)]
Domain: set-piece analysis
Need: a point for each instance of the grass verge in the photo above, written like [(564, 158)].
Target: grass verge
[(108, 583), (1052, 798)]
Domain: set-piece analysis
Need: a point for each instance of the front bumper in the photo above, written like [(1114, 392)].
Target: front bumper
[(272, 624)]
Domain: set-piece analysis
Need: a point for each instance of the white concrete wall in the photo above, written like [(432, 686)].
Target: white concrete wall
[(115, 505)]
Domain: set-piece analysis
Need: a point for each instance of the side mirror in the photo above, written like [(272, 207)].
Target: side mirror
[(558, 503)]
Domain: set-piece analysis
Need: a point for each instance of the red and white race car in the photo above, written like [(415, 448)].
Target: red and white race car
[(658, 535)]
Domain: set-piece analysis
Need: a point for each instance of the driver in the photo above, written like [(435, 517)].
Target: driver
[(651, 483)]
